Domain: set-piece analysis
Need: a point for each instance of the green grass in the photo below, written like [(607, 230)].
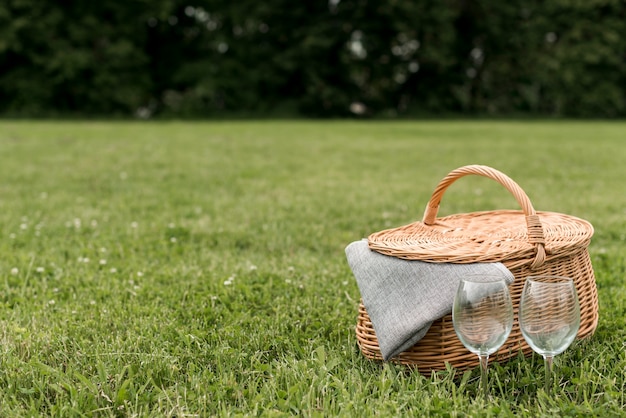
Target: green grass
[(197, 269)]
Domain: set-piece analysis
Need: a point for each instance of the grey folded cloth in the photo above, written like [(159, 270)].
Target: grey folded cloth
[(404, 297)]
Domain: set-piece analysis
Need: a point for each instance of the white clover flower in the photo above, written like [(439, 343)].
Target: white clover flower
[(173, 239), (103, 262), (39, 269), (134, 225), (14, 271), (139, 274), (113, 270)]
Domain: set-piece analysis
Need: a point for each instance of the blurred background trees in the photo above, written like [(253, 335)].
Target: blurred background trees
[(322, 58)]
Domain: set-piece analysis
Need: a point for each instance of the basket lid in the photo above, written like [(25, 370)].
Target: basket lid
[(517, 237)]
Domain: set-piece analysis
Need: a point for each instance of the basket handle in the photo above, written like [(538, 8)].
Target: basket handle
[(533, 223)]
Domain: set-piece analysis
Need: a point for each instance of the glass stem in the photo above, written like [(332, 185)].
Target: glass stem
[(484, 359), (548, 360)]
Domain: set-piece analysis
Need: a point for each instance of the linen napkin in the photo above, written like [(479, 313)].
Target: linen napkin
[(404, 297)]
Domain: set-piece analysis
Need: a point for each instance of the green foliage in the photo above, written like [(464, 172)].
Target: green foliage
[(85, 59), (197, 269), (335, 58)]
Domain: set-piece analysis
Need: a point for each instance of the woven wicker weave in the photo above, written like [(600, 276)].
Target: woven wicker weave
[(526, 242)]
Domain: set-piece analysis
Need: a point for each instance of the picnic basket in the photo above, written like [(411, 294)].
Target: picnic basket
[(526, 241)]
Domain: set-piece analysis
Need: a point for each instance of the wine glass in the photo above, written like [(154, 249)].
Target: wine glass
[(483, 317), (549, 317)]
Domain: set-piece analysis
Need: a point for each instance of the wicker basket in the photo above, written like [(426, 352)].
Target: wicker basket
[(526, 242)]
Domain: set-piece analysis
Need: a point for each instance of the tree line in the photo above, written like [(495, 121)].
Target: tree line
[(320, 58)]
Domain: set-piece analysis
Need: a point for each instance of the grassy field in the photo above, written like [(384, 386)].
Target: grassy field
[(197, 269)]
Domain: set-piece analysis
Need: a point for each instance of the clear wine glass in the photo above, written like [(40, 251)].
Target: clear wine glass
[(483, 317), (549, 317)]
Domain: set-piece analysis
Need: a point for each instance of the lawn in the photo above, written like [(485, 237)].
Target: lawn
[(198, 268)]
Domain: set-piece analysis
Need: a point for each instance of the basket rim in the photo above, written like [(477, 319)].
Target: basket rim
[(484, 236)]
